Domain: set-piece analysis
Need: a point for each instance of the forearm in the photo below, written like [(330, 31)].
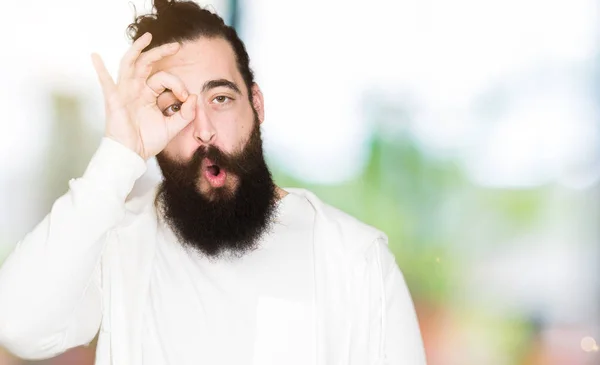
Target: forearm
[(49, 273)]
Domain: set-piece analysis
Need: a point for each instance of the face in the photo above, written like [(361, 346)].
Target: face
[(224, 116), (217, 193)]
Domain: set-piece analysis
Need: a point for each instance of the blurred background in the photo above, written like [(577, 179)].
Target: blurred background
[(467, 130)]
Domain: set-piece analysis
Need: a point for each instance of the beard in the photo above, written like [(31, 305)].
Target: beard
[(221, 219)]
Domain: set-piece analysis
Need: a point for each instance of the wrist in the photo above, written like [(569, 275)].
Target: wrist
[(130, 143), (115, 168)]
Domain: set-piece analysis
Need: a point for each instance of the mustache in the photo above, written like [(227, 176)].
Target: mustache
[(243, 162), (233, 163), (213, 153)]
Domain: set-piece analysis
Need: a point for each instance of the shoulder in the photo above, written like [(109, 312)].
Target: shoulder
[(140, 207), (343, 229)]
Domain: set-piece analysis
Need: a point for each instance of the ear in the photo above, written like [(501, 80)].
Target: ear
[(258, 102)]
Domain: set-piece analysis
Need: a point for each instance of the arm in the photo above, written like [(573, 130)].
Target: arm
[(50, 283), (401, 342)]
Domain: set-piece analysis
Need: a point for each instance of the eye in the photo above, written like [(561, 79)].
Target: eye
[(172, 109), (222, 99)]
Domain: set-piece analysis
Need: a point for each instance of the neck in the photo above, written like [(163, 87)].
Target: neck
[(280, 193)]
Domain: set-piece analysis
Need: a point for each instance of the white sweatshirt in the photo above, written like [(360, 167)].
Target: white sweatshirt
[(255, 310), (89, 267)]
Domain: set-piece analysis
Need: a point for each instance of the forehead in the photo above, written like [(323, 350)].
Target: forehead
[(201, 60)]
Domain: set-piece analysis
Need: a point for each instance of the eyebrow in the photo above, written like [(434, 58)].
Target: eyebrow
[(211, 84)]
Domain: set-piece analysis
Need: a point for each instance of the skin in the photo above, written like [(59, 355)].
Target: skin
[(178, 97)]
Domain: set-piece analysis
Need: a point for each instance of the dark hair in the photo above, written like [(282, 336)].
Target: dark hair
[(179, 21)]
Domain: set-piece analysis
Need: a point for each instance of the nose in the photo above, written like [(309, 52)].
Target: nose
[(204, 130)]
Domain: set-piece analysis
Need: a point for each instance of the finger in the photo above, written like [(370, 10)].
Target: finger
[(179, 120), (106, 81), (143, 66), (161, 81), (131, 56)]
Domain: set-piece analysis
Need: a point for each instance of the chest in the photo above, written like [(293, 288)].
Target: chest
[(258, 309)]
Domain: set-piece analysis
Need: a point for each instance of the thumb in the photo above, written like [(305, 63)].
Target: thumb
[(181, 119)]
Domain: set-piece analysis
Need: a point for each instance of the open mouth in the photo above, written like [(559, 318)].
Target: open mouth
[(215, 170), (214, 173)]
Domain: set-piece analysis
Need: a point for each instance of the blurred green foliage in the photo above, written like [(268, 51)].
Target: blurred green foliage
[(429, 209)]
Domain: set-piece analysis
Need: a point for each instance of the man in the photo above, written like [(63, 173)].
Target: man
[(217, 265)]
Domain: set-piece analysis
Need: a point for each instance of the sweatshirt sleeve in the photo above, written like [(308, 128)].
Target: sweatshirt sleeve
[(401, 339), (50, 283)]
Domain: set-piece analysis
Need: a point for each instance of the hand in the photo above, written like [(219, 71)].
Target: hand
[(132, 115)]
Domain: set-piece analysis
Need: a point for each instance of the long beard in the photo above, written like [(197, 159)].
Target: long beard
[(222, 220)]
